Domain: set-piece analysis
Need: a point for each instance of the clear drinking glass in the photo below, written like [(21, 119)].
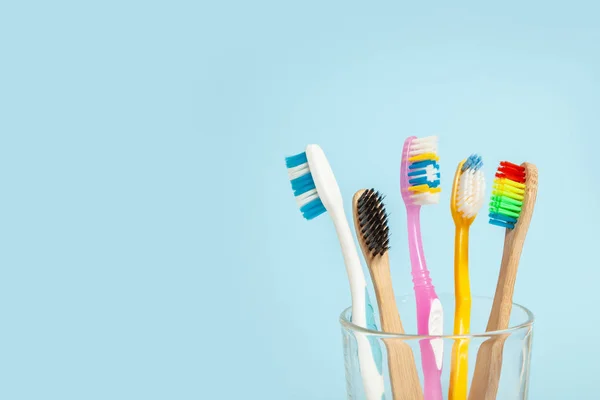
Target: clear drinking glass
[(514, 345)]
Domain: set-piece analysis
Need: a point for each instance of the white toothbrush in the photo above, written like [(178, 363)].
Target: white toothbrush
[(317, 191)]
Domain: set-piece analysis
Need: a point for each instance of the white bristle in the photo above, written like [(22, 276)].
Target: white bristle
[(298, 171), (431, 173), (306, 198), (424, 199), (423, 145), (470, 192)]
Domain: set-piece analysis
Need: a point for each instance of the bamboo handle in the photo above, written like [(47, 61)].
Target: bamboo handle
[(401, 361), (489, 358), (403, 373), (382, 282)]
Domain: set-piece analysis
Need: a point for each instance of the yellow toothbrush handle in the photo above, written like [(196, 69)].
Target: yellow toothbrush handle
[(462, 315)]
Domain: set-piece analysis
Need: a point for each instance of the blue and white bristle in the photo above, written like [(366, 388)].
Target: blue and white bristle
[(303, 186)]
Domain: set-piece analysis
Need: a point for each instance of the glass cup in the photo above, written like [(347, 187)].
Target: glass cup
[(510, 350)]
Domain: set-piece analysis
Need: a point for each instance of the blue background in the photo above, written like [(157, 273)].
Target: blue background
[(150, 244)]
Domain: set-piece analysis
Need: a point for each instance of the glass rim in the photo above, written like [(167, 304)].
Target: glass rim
[(410, 336)]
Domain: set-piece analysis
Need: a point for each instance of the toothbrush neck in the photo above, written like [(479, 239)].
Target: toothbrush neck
[(420, 273), (349, 251)]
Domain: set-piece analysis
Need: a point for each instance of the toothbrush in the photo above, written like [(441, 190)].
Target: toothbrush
[(468, 191), (419, 185), (511, 207), (370, 222), (316, 192)]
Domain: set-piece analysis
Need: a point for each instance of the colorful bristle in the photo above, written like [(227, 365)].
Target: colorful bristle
[(304, 187), (424, 171), (470, 194), (507, 195)]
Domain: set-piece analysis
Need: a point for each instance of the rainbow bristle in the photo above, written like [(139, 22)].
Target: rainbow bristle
[(507, 195), (303, 186)]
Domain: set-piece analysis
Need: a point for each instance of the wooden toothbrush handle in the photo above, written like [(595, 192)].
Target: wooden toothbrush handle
[(488, 365), (382, 283), (403, 372), (502, 305), (401, 361)]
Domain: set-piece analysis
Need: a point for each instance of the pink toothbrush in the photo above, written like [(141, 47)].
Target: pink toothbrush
[(420, 185)]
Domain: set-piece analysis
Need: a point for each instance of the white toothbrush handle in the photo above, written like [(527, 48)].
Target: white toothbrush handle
[(372, 378), (369, 368), (356, 276)]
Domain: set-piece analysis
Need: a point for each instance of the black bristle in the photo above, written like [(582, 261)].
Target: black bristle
[(372, 219)]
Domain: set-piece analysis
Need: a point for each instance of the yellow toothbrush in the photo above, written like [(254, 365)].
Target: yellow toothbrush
[(467, 198)]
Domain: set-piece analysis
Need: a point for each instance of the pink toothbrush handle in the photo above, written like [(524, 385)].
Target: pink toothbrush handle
[(432, 375), (429, 310)]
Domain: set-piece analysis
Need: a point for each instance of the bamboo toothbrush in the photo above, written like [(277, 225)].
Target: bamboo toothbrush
[(316, 192), (511, 207), (370, 222), (420, 185), (468, 191)]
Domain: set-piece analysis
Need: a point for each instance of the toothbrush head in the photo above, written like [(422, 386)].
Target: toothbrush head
[(313, 182), (303, 186), (370, 219), (508, 194), (420, 171), (468, 190)]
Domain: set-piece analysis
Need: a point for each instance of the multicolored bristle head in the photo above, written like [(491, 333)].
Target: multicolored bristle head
[(372, 219), (303, 185), (420, 171), (507, 195), (470, 193)]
